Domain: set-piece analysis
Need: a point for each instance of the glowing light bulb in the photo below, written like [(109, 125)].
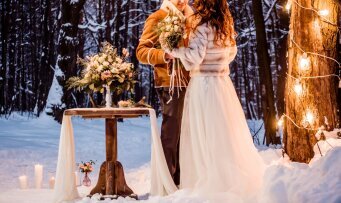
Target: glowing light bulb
[(288, 5), (298, 88), (280, 122), (304, 62), (309, 117), (323, 12)]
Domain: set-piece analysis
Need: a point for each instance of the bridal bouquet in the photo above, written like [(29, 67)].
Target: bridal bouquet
[(171, 30), (105, 70)]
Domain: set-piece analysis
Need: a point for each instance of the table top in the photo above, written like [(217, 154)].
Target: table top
[(107, 112)]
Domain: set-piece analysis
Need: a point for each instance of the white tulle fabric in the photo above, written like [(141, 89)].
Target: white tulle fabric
[(65, 186), (216, 149), (217, 155), (161, 180), (65, 183)]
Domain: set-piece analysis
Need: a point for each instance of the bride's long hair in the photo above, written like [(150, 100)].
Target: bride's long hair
[(218, 15)]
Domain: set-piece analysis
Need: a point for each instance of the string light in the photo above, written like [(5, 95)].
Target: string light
[(314, 77), (298, 88), (316, 54), (323, 12), (304, 62), (280, 122), (288, 5), (309, 117), (293, 122)]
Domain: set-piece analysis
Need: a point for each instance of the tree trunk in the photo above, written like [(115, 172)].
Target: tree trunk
[(283, 21), (108, 16), (126, 25), (135, 41), (45, 63), (339, 59), (246, 86), (4, 40), (67, 52), (99, 21), (119, 23), (11, 58), (319, 94), (268, 104)]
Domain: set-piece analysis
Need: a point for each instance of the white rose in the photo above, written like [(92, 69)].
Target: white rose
[(101, 59), (87, 75), (123, 67), (88, 67), (114, 70), (95, 58), (168, 27), (100, 68), (168, 19), (119, 60)]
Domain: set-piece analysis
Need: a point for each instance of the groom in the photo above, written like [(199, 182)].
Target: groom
[(149, 52)]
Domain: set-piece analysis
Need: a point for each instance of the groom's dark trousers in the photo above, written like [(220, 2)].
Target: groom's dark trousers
[(171, 127), (149, 52)]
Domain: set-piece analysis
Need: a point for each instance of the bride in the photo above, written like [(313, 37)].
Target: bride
[(217, 154)]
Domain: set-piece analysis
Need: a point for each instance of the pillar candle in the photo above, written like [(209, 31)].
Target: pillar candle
[(38, 174), (23, 182), (51, 182), (77, 178)]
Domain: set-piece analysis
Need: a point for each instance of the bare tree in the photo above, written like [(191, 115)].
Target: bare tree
[(67, 54), (265, 76)]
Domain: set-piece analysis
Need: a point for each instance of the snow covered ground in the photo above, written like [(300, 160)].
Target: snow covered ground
[(25, 142)]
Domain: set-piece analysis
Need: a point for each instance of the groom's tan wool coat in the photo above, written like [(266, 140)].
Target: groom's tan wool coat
[(149, 52)]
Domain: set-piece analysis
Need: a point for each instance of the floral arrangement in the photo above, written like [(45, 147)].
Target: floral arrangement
[(171, 30), (126, 104), (130, 103), (86, 167), (105, 69)]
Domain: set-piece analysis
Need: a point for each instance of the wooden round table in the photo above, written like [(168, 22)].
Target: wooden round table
[(111, 181)]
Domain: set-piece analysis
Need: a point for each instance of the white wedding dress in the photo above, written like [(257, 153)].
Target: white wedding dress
[(217, 155)]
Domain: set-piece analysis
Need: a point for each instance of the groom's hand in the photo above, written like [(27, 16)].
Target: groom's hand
[(169, 57), (188, 11), (163, 43)]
